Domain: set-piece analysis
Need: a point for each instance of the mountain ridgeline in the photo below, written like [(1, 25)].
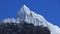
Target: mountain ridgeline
[(27, 22), (22, 28)]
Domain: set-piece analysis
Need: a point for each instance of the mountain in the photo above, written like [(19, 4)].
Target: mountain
[(30, 17), (25, 14)]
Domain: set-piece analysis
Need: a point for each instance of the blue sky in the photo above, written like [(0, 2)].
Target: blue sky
[(50, 9)]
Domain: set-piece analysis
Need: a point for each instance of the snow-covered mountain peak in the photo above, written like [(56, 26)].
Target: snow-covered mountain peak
[(24, 9), (25, 14)]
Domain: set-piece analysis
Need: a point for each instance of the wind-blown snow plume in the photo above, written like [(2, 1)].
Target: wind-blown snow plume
[(25, 14)]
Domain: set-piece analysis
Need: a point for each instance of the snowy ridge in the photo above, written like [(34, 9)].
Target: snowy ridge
[(29, 16), (25, 14)]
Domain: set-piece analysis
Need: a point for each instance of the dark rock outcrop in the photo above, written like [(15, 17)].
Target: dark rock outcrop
[(22, 28)]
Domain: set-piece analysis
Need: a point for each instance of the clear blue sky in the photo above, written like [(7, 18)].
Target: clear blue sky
[(50, 9)]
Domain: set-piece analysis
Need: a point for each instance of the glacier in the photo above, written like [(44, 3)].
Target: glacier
[(25, 14)]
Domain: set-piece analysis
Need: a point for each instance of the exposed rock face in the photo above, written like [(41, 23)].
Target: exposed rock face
[(22, 28)]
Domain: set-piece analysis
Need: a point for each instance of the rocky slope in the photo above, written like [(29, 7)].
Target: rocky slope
[(22, 28)]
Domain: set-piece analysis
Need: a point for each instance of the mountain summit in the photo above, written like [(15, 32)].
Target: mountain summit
[(26, 15)]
